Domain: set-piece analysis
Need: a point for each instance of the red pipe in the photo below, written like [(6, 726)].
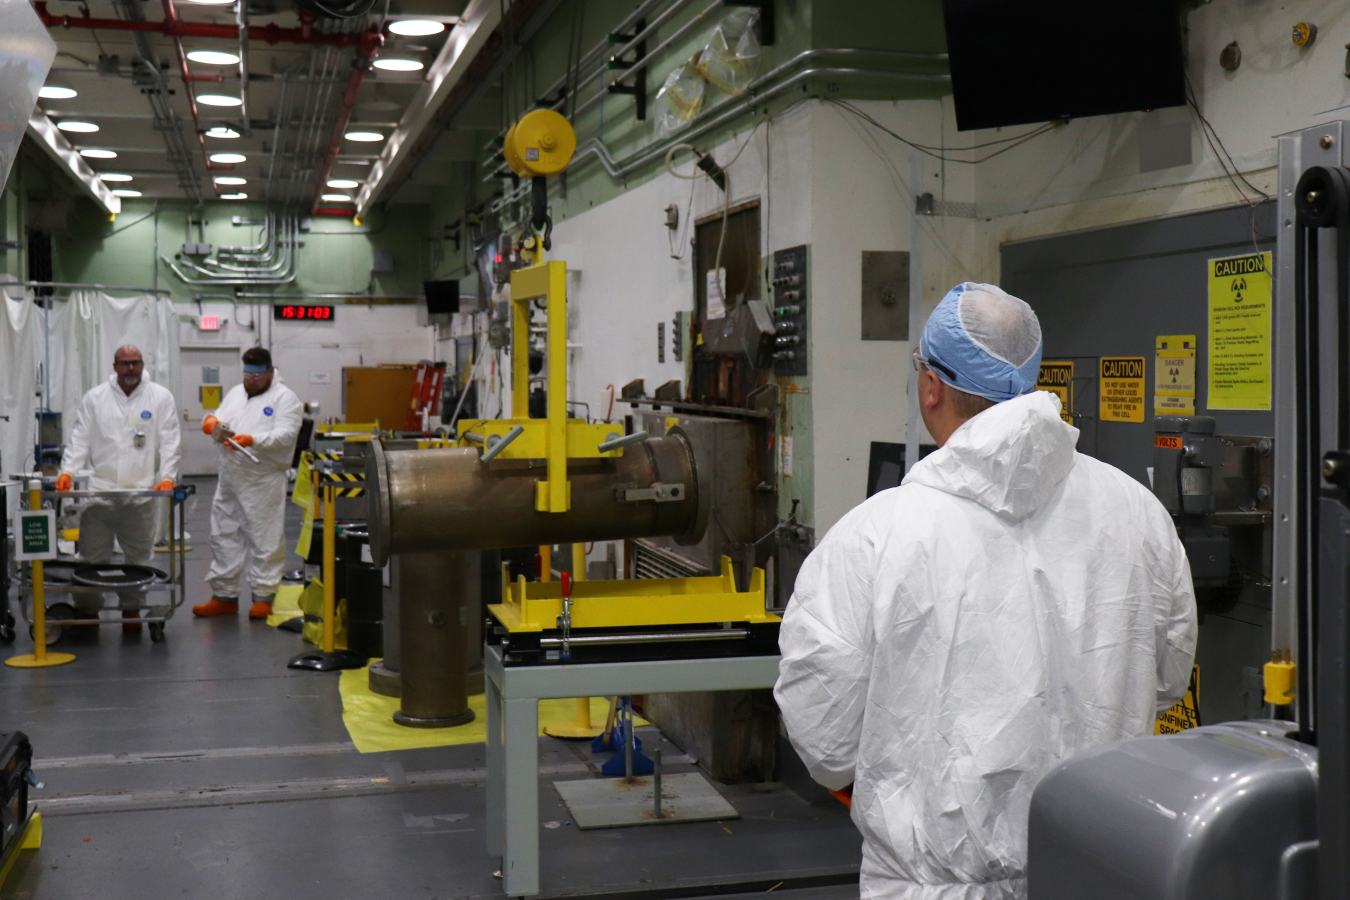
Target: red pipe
[(333, 211), (364, 54), (172, 27)]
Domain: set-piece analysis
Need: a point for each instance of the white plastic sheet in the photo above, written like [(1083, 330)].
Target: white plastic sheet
[(26, 54)]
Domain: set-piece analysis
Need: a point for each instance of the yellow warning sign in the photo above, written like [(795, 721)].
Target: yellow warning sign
[(1185, 714), (1174, 375), (1239, 332), (1057, 378), (1122, 389), (210, 396)]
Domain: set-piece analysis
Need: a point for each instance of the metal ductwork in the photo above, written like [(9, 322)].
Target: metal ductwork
[(425, 500)]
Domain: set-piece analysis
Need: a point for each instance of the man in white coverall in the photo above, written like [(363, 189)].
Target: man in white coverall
[(952, 639), (249, 510), (126, 430)]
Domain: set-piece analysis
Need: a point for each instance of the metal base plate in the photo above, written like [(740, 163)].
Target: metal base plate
[(614, 803), (408, 721), (318, 661), (383, 681), (30, 661)]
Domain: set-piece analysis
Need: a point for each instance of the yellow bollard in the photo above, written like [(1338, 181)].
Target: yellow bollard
[(329, 571), (39, 658), (582, 728)]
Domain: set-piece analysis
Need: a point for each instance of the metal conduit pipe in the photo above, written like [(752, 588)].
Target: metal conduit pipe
[(360, 66), (258, 271), (241, 18), (289, 277), (256, 248), (274, 258), (269, 34), (729, 111), (601, 49), (429, 500), (268, 255)]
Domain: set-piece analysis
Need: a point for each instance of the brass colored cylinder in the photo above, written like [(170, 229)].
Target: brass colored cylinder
[(434, 671), (425, 500)]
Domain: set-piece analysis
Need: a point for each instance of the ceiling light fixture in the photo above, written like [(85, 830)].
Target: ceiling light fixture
[(218, 100), (228, 157), (230, 179), (398, 64), (94, 153), (77, 127), (115, 176), (366, 136), (337, 198), (222, 131), (240, 196), (416, 27), (213, 57), (210, 2), (124, 192), (55, 92), (343, 183)]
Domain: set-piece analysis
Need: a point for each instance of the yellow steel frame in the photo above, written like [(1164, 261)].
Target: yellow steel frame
[(535, 606)]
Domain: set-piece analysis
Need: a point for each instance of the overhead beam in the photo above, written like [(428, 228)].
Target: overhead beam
[(45, 134), (469, 36)]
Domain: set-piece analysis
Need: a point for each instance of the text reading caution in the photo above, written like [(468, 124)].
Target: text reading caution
[(1122, 389)]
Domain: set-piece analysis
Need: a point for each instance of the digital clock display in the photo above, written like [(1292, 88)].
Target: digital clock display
[(295, 313)]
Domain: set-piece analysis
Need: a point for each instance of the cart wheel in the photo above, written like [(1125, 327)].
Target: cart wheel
[(6, 634), (55, 614), (157, 632)]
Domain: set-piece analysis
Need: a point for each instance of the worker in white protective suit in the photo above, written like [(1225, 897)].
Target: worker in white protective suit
[(255, 429), (126, 431), (952, 639)]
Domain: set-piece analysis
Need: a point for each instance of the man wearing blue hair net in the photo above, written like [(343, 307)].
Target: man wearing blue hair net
[(1011, 603)]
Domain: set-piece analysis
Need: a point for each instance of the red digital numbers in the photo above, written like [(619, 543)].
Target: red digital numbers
[(317, 313)]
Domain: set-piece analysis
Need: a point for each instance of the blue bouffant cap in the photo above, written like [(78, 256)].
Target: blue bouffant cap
[(983, 341)]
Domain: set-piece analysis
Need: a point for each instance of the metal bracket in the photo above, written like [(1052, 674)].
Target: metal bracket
[(660, 493), (638, 89)]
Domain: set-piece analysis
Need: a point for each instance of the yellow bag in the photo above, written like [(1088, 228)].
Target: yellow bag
[(311, 604)]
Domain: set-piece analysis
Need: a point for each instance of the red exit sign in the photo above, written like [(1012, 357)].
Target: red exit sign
[(209, 323)]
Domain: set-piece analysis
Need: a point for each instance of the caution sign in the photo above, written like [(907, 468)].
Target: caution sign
[(1185, 714), (1174, 375), (1239, 332), (1122, 389), (1057, 378), (210, 396)]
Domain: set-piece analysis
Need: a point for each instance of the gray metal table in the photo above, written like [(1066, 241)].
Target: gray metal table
[(513, 695)]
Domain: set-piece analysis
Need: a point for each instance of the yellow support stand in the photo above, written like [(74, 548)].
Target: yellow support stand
[(582, 728), (329, 571), (39, 658)]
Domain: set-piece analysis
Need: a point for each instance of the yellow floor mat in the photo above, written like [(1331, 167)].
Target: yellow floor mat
[(286, 606), (369, 718)]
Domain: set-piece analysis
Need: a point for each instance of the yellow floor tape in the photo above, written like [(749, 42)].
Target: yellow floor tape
[(369, 718), (286, 606)]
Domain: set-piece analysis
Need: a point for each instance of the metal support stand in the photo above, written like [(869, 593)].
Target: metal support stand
[(39, 658)]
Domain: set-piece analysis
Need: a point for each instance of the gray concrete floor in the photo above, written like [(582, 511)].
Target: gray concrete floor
[(202, 766)]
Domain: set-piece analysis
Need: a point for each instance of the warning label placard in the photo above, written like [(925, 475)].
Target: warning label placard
[(1174, 375), (1122, 389), (1239, 332), (1185, 714), (1057, 378)]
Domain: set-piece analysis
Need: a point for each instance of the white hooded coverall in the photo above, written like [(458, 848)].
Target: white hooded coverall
[(131, 441), (249, 510), (952, 639)]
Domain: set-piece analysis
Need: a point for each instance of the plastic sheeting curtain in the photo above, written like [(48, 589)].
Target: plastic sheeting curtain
[(92, 325), (20, 338)]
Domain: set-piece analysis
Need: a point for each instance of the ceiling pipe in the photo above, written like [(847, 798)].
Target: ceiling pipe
[(171, 19), (268, 34), (365, 54), (241, 14)]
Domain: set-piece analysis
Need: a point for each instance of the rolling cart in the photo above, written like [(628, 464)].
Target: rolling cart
[(71, 577)]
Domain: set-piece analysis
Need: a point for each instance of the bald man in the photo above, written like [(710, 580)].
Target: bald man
[(126, 431)]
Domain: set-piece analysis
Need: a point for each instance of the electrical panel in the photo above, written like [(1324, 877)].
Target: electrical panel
[(788, 290)]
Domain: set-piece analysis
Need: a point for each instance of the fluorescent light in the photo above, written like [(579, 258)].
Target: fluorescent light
[(337, 198), (80, 127), (343, 183), (114, 176), (218, 100), (222, 131), (398, 65), (213, 57), (123, 192), (93, 153), (55, 92), (210, 2), (228, 157), (234, 196), (416, 27), (368, 136), (230, 179)]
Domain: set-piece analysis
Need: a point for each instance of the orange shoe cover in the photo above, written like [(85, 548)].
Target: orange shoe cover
[(260, 610), (131, 614), (215, 607)]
